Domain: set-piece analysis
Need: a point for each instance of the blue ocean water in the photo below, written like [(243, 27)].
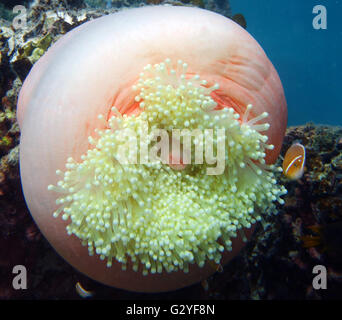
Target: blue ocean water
[(308, 61)]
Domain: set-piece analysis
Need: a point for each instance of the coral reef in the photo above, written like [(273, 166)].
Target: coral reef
[(276, 264)]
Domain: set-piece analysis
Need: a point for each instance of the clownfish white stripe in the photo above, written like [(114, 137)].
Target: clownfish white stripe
[(292, 162)]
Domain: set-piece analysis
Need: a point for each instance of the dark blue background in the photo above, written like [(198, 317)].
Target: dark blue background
[(308, 61)]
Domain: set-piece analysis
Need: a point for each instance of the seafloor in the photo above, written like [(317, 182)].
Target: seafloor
[(276, 264)]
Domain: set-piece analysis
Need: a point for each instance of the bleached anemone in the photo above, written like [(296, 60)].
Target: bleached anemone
[(114, 89), (157, 217)]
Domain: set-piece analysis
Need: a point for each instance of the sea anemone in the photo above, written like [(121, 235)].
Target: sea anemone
[(151, 225)]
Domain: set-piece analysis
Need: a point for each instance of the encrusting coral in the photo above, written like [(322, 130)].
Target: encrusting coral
[(118, 211)]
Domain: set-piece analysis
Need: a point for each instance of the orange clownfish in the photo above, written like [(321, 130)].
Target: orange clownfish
[(294, 160)]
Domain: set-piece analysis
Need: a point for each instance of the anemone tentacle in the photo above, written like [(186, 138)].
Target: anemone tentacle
[(157, 217)]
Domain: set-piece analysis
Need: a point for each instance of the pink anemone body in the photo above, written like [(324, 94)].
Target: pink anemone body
[(93, 68)]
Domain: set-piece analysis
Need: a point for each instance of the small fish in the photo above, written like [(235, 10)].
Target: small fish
[(83, 292), (240, 19), (294, 160)]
